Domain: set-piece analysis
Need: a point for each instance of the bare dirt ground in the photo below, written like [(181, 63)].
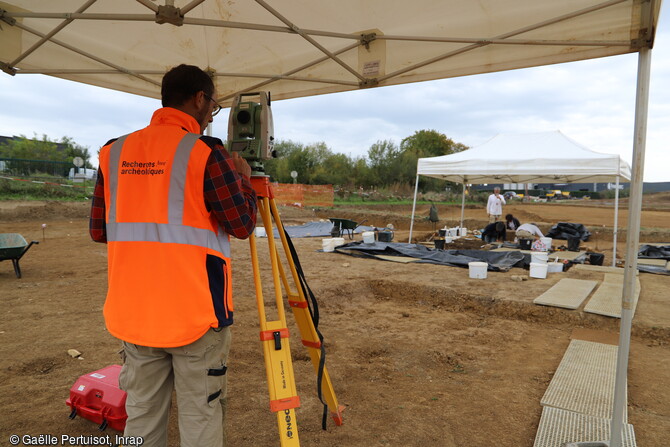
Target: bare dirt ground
[(420, 355)]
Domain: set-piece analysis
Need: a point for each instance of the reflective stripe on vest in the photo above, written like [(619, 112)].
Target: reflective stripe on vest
[(174, 231), (167, 233), (114, 157)]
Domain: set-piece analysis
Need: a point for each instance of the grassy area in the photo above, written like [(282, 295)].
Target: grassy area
[(27, 190)]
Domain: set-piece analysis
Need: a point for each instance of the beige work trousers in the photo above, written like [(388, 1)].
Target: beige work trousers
[(197, 374)]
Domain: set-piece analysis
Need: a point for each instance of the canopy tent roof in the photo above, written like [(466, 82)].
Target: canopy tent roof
[(541, 157), (297, 48)]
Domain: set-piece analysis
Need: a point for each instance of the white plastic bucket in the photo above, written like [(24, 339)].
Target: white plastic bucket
[(554, 267), (463, 231), (448, 239), (478, 270), (369, 237), (328, 245), (539, 257), (337, 241), (538, 270), (260, 232), (453, 232), (546, 241)]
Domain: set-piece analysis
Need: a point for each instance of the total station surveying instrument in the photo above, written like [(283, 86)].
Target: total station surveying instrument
[(251, 133)]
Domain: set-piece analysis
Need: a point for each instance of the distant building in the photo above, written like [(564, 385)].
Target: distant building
[(587, 187)]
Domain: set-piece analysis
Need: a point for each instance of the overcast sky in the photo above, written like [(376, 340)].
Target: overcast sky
[(592, 102)]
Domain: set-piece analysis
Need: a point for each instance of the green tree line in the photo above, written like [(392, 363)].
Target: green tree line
[(386, 164)]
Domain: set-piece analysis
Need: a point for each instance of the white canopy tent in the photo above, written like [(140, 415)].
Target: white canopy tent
[(540, 157), (298, 48)]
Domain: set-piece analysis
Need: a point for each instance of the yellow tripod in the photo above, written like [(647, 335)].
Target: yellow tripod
[(274, 334)]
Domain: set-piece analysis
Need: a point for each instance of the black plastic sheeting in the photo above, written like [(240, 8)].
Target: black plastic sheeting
[(316, 229), (564, 230), (497, 261), (653, 252), (657, 269)]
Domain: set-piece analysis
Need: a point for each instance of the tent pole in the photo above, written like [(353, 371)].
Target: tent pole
[(462, 207), (632, 243), (616, 217), (411, 223)]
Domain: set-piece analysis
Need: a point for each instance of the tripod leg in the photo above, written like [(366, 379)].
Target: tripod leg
[(275, 342), (308, 331)]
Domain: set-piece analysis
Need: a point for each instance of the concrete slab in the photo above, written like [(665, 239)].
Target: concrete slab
[(655, 262), (567, 293), (607, 298), (599, 268)]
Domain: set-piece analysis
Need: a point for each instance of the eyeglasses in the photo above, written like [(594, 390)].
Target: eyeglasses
[(217, 107)]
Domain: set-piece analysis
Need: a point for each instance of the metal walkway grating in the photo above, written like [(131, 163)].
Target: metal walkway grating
[(584, 381), (560, 426)]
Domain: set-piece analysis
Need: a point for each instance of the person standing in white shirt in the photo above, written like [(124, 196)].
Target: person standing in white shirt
[(494, 205)]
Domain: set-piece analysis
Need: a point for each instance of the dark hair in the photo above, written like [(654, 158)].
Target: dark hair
[(182, 82), (509, 217), (500, 227)]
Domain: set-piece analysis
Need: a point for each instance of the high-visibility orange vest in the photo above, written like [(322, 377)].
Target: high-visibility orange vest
[(169, 262)]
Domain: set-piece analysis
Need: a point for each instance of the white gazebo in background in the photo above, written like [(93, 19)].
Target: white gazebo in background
[(540, 157)]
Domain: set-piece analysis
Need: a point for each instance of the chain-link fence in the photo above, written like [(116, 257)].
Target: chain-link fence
[(37, 169)]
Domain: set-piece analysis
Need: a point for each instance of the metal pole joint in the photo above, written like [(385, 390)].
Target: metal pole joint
[(7, 69), (641, 42), (169, 14), (7, 18), (367, 39), (369, 83)]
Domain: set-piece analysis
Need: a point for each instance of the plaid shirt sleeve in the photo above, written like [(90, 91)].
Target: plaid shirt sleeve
[(96, 226), (229, 195)]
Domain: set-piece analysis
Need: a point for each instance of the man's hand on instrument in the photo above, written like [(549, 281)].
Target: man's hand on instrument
[(241, 165)]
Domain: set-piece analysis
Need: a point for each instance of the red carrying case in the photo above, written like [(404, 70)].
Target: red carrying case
[(96, 396)]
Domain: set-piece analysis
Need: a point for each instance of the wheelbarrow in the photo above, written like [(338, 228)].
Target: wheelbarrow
[(341, 226), (13, 246)]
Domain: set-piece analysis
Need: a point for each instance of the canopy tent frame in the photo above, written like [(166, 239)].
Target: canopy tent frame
[(169, 13), (640, 18), (632, 244)]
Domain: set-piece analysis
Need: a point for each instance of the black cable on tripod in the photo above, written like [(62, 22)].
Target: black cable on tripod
[(313, 307)]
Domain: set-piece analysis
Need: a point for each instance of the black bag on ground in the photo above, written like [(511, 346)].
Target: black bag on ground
[(596, 258), (525, 244), (565, 230)]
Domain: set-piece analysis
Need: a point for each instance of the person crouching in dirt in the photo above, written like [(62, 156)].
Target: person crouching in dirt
[(511, 222), (494, 232), (528, 231)]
